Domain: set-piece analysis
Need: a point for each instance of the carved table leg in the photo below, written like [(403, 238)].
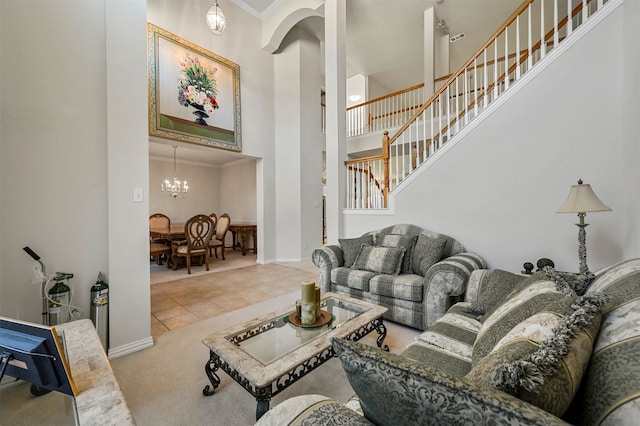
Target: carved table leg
[(381, 329), (245, 242), (263, 397), (210, 367)]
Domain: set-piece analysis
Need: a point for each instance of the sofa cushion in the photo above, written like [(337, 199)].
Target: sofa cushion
[(610, 391), (405, 286), (455, 332), (351, 247), (352, 278), (542, 360), (427, 252), (437, 358), (528, 298), (407, 242), (383, 260), (448, 344)]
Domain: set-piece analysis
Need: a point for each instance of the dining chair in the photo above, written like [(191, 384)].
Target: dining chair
[(214, 218), (198, 231), (221, 231), (158, 220)]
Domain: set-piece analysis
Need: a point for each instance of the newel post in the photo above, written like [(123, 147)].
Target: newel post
[(385, 156)]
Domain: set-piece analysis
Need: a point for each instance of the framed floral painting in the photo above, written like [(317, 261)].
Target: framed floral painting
[(194, 95)]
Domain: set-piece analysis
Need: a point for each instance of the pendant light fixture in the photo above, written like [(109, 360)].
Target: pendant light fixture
[(216, 19), (175, 188)]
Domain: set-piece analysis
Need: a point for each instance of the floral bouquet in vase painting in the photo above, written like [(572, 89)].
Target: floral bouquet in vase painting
[(197, 88)]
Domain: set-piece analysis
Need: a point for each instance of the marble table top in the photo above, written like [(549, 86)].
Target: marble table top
[(261, 375), (100, 400)]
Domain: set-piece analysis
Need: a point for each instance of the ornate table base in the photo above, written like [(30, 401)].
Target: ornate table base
[(264, 394)]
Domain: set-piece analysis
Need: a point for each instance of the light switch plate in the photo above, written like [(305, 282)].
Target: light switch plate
[(138, 195)]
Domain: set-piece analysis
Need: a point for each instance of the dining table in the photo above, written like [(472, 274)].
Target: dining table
[(241, 231), (173, 232)]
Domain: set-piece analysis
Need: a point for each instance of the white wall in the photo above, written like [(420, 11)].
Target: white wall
[(238, 191), (73, 147), (239, 43), (74, 144), (298, 147), (630, 109), (204, 189), (53, 152), (498, 188), (127, 168)]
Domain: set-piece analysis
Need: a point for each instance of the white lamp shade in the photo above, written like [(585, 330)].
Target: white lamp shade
[(582, 199), (216, 19)]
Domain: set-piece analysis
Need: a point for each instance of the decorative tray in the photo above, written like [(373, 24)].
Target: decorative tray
[(325, 318)]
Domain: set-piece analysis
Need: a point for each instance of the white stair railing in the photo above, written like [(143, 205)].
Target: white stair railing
[(385, 112), (518, 45)]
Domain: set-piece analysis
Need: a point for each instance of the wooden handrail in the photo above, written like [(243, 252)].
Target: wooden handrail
[(524, 54), (364, 159), (390, 95), (456, 102), (451, 79)]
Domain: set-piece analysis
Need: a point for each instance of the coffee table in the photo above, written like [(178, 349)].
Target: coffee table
[(267, 354)]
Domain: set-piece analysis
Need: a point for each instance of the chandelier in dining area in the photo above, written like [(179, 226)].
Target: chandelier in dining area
[(175, 187)]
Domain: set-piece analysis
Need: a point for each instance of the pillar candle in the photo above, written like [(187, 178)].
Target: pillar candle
[(318, 314), (308, 292), (308, 313)]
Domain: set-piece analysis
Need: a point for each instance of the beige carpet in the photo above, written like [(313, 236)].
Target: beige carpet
[(163, 384)]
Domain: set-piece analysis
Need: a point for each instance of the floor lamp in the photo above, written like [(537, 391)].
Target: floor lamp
[(581, 200)]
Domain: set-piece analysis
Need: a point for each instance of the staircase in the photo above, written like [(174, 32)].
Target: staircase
[(522, 43)]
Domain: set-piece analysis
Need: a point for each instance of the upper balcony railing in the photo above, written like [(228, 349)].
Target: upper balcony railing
[(385, 112), (514, 49)]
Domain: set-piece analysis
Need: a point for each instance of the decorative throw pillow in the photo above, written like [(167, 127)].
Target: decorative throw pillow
[(396, 390), (426, 253), (351, 247), (383, 260), (542, 359), (407, 242), (495, 285), (392, 389), (529, 297)]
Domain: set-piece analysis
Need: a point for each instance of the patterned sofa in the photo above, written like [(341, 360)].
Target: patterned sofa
[(415, 273), (548, 349)]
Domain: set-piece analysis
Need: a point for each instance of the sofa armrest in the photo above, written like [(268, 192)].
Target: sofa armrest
[(446, 279), (327, 258), (473, 286), (313, 409)]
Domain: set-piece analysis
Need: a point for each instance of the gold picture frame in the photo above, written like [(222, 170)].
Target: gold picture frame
[(194, 94)]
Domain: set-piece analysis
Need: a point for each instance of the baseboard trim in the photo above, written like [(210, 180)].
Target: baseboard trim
[(130, 348)]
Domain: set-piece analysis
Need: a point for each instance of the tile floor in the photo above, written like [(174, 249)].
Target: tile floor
[(201, 295)]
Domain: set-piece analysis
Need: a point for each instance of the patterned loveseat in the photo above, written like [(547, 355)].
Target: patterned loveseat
[(415, 273), (548, 349)]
